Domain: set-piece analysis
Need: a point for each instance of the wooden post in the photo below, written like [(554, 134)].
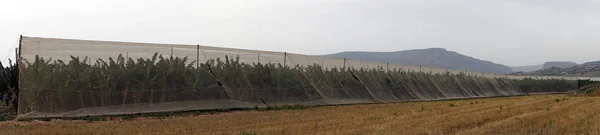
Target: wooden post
[(258, 57), (171, 51)]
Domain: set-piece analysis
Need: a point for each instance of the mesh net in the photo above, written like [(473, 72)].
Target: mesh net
[(69, 78)]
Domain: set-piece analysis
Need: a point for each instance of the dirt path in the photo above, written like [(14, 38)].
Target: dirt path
[(540, 114)]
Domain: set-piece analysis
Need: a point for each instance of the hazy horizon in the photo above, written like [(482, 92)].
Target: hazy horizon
[(508, 32)]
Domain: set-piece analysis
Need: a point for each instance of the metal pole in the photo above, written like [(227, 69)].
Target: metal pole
[(127, 59), (16, 56), (197, 55), (284, 59), (17, 61), (344, 64), (387, 66), (322, 65)]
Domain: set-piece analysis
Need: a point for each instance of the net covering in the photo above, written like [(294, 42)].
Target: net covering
[(69, 78)]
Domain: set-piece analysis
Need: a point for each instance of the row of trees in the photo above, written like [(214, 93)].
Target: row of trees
[(585, 82), (9, 82), (58, 85)]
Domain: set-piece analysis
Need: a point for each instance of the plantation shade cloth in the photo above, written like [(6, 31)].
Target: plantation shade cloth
[(68, 78)]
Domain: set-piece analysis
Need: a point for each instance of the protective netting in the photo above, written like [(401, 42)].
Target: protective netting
[(67, 78)]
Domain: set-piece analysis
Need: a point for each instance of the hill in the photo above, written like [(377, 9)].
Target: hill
[(559, 64), (431, 57), (527, 68), (546, 65), (590, 69)]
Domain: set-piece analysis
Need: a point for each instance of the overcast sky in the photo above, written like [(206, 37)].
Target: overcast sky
[(510, 32)]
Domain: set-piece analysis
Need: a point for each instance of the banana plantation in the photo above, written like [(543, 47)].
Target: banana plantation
[(56, 86), (9, 82)]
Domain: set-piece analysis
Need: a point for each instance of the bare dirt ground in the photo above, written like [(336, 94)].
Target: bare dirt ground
[(540, 114)]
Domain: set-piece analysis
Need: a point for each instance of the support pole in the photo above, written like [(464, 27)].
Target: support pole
[(126, 59), (387, 66), (322, 65), (197, 55), (344, 64), (284, 59), (16, 56), (17, 61)]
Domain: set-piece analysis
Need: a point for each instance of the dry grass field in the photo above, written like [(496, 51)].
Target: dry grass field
[(541, 114)]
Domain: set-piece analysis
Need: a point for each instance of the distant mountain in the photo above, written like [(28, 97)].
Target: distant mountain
[(432, 57), (589, 69), (559, 64), (546, 65), (527, 68), (591, 63)]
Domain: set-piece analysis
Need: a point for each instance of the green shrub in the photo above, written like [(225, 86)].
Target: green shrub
[(249, 133), (128, 117)]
